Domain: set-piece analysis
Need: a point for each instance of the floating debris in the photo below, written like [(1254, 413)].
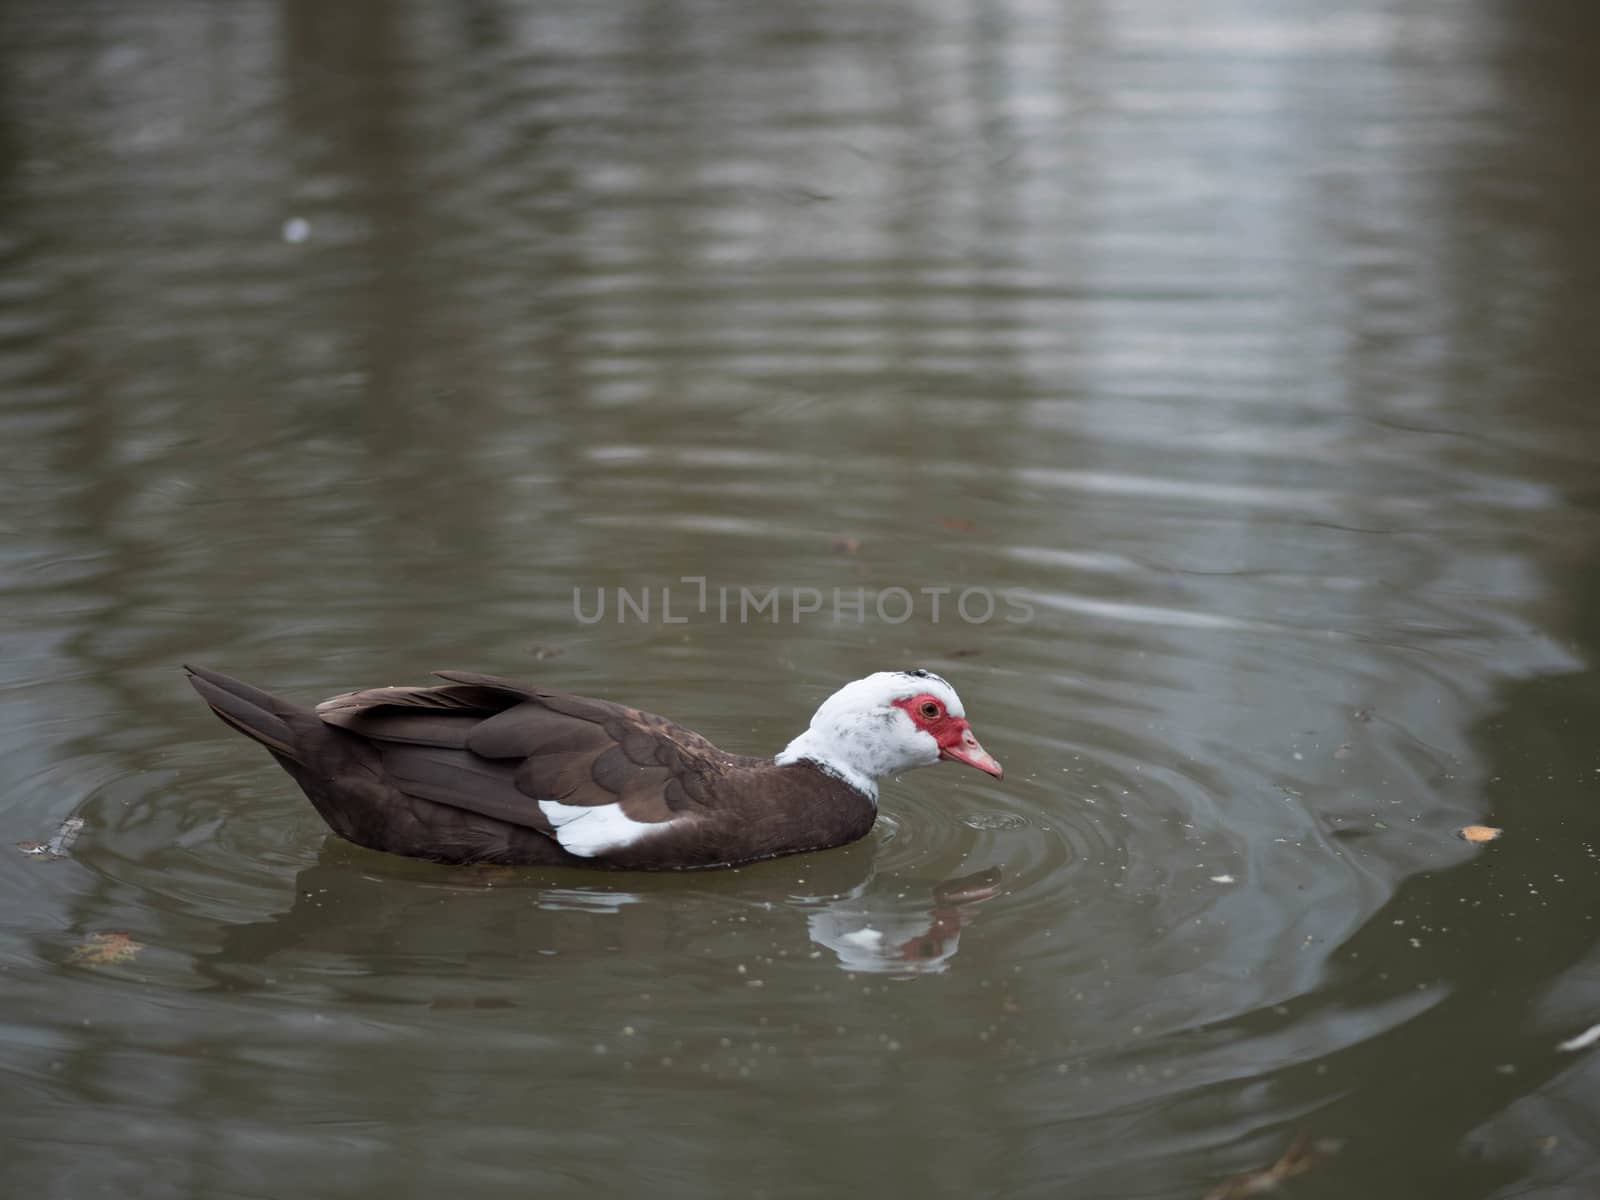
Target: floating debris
[(1583, 1041), (1478, 833), (1222, 879), (102, 948), (59, 845), (296, 230), (846, 545), (1299, 1158)]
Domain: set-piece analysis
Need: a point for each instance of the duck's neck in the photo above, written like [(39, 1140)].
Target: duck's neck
[(833, 757)]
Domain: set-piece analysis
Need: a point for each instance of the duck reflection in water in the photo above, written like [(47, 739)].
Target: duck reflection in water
[(371, 908), (901, 936)]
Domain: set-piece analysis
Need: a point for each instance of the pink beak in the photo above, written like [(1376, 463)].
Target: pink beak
[(968, 751)]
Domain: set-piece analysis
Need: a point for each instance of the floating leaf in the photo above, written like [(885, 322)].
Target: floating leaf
[(60, 842), (1478, 833), (106, 948), (846, 545), (1299, 1158)]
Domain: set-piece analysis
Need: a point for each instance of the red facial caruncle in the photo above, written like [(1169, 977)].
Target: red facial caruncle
[(954, 736)]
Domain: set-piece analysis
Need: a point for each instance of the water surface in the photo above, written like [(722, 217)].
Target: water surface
[(1250, 343)]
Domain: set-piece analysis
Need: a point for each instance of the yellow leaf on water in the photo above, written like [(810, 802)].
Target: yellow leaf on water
[(1478, 833), (106, 948)]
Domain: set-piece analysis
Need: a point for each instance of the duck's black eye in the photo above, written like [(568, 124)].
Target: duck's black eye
[(930, 710), (920, 673)]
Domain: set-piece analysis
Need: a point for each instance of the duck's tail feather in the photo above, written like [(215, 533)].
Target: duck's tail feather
[(254, 713)]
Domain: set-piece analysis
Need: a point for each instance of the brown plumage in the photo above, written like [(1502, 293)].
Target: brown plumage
[(457, 773)]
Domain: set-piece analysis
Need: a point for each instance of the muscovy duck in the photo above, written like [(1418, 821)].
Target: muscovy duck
[(483, 769)]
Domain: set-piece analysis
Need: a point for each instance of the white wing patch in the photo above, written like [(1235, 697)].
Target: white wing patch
[(588, 830)]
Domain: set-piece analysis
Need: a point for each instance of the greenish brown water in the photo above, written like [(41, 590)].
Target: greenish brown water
[(1251, 342)]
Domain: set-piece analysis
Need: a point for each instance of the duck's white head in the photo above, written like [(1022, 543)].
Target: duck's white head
[(885, 724)]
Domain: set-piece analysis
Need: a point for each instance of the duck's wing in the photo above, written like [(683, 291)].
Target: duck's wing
[(594, 775)]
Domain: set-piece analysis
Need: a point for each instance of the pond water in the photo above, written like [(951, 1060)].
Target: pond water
[(1241, 354)]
